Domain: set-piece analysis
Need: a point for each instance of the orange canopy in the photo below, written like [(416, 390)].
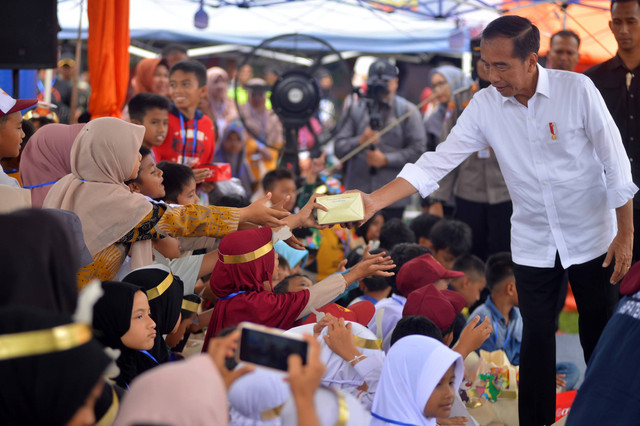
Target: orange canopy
[(587, 18), (108, 51)]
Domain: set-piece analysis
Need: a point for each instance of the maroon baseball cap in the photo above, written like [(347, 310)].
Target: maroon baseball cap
[(9, 105), (422, 271), (440, 306), (631, 282), (360, 312)]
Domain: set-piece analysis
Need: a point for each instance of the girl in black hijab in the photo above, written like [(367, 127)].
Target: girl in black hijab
[(121, 319), (49, 376), (165, 292), (39, 258)]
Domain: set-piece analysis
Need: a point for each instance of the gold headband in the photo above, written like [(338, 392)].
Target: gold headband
[(361, 342), (110, 416), (343, 408), (160, 288), (247, 257), (271, 413), (190, 306), (40, 342)]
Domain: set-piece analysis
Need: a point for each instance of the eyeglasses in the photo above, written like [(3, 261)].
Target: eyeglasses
[(439, 84)]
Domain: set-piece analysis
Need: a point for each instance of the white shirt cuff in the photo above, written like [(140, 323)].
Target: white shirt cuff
[(618, 197), (369, 366), (418, 179)]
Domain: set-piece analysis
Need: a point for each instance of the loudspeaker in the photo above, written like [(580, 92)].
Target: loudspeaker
[(28, 34)]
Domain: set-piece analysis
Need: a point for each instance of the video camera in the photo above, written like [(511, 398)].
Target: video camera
[(375, 101)]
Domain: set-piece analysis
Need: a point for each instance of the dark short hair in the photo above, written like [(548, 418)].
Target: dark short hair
[(394, 232), (144, 151), (566, 34), (415, 324), (451, 234), (623, 1), (191, 298), (525, 35), (170, 49), (176, 177), (499, 267), (141, 103), (191, 67), (469, 264), (232, 200), (283, 286), (4, 119), (401, 254), (269, 180), (421, 225)]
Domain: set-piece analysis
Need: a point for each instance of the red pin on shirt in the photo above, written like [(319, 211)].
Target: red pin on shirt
[(552, 129)]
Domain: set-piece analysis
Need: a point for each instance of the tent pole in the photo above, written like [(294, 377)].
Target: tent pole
[(74, 92)]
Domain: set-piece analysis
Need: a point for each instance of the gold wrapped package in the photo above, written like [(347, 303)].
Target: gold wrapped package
[(341, 208)]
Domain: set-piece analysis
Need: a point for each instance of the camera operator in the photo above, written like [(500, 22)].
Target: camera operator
[(378, 165)]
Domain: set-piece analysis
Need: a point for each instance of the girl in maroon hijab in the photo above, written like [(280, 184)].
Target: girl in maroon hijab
[(242, 282)]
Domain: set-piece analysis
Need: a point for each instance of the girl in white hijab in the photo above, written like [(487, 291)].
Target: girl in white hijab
[(358, 367), (257, 398), (359, 378), (334, 408), (419, 381)]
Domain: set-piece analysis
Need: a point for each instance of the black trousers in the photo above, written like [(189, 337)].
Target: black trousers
[(490, 225), (538, 290), (636, 235)]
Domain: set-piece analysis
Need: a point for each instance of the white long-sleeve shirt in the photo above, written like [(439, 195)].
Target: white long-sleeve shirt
[(564, 188)]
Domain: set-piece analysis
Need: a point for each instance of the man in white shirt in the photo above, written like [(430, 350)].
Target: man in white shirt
[(570, 181)]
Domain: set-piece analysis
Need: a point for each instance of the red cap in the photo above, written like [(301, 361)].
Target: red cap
[(422, 271), (440, 306), (631, 282), (360, 312), (9, 105)]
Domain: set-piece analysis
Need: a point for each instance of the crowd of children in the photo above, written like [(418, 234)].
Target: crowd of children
[(122, 259)]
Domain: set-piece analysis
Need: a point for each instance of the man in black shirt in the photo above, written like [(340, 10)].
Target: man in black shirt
[(618, 80)]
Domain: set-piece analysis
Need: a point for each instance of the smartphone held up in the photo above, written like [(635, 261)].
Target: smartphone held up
[(268, 347)]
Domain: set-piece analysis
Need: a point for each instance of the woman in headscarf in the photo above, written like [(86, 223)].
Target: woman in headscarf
[(116, 222), (242, 280), (46, 159), (39, 260), (232, 151), (164, 291), (333, 407), (419, 381), (151, 75), (223, 109), (51, 368), (444, 81), (257, 398), (122, 320)]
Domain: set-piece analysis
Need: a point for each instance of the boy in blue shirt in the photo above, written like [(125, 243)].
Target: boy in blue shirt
[(502, 309)]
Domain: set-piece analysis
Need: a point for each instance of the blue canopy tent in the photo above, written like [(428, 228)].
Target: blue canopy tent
[(345, 24)]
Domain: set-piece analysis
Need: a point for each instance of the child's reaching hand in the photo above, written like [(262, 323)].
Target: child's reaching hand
[(371, 265), (473, 336), (201, 174), (259, 214)]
